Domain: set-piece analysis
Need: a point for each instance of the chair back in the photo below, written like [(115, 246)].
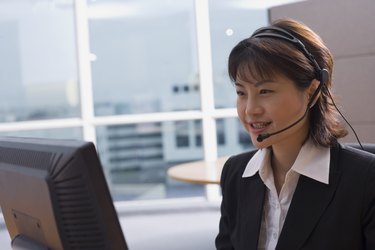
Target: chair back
[(369, 147)]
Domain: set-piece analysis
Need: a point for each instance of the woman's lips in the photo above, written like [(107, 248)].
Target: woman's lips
[(258, 127)]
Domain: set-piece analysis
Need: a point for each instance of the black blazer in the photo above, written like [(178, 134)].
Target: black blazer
[(337, 216)]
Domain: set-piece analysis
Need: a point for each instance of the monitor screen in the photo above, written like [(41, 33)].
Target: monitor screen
[(53, 193)]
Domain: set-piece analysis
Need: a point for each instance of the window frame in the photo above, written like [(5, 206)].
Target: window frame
[(88, 121)]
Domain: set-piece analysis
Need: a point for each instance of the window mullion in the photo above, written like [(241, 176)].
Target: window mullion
[(207, 89), (84, 69)]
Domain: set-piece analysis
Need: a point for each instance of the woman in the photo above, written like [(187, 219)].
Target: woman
[(301, 189)]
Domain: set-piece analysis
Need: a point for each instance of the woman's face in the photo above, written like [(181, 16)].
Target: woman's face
[(269, 105)]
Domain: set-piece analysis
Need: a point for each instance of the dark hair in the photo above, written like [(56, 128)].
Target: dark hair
[(265, 57)]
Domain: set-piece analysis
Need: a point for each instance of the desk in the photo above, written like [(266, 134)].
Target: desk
[(198, 172)]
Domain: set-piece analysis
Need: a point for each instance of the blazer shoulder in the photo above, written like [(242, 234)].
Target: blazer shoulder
[(236, 164)]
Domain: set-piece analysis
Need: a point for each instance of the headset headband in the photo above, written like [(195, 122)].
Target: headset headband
[(276, 32)]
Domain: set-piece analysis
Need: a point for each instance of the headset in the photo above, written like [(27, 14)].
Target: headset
[(321, 74)]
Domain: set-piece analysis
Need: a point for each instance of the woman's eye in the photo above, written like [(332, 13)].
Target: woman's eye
[(240, 93), (265, 91)]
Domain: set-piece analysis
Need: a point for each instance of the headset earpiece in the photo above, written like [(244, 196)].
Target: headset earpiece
[(323, 78), (324, 75)]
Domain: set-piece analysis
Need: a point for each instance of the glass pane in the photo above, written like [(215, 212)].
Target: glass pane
[(136, 158), (231, 21), (182, 134), (61, 133), (38, 71), (144, 56), (232, 137)]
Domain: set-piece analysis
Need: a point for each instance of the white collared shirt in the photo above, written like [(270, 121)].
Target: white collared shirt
[(312, 161)]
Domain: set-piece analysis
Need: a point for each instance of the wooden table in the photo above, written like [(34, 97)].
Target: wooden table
[(198, 172)]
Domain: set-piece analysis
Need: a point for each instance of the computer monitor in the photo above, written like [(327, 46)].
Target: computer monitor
[(53, 195)]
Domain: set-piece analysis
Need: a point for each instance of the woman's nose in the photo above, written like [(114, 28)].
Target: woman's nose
[(253, 107)]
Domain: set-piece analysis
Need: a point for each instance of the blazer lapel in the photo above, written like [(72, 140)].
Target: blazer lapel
[(308, 204), (252, 198)]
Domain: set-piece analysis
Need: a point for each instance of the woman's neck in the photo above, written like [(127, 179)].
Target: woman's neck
[(282, 159)]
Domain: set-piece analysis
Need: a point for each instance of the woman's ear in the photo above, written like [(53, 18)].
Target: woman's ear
[(311, 91)]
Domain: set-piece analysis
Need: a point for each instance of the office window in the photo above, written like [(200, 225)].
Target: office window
[(136, 158), (145, 80), (237, 140), (230, 22), (144, 56), (220, 127), (38, 78)]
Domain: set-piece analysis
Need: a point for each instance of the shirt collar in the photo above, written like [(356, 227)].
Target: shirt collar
[(259, 161), (312, 161)]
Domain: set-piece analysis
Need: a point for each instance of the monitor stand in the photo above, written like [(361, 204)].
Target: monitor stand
[(21, 242)]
